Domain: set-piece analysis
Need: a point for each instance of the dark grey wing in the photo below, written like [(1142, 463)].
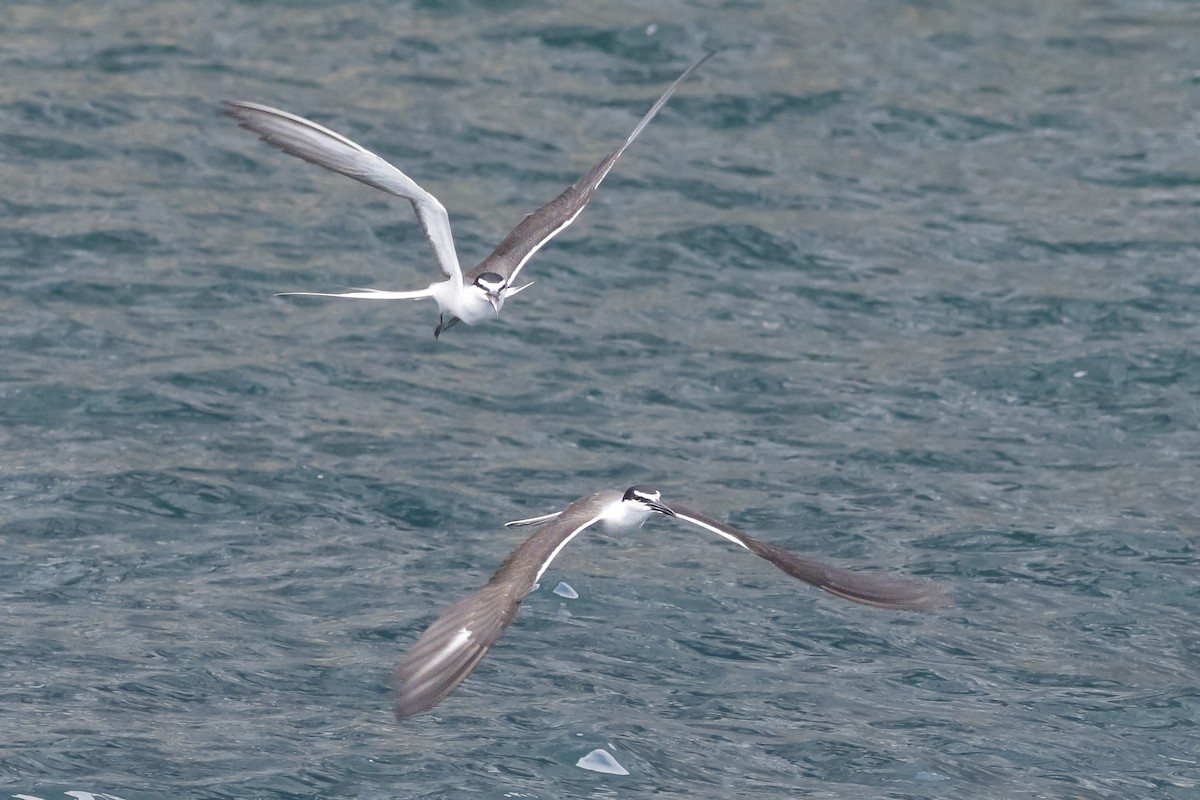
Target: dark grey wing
[(450, 649), (318, 145), (447, 652), (544, 224), (869, 588)]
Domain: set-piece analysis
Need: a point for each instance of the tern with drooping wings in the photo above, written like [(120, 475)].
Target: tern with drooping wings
[(447, 652)]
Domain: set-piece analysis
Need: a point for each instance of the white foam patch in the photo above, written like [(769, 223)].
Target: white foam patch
[(601, 760), (563, 590), (930, 776)]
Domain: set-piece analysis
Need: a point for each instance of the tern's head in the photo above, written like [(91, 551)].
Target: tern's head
[(492, 284), (627, 514), (650, 499)]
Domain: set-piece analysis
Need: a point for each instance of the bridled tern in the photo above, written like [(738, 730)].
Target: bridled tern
[(447, 652), (472, 297)]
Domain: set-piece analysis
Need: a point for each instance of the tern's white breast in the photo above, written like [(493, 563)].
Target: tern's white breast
[(468, 303), (623, 516)]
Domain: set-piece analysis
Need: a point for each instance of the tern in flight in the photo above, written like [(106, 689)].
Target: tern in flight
[(447, 652), (472, 297)]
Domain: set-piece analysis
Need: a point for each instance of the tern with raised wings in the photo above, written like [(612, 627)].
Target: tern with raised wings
[(474, 296)]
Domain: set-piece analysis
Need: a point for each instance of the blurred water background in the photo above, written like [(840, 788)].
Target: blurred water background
[(909, 286)]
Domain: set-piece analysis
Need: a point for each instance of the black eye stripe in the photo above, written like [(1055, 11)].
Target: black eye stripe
[(642, 493), (490, 281)]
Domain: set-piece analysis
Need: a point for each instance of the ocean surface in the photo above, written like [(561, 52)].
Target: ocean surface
[(905, 286)]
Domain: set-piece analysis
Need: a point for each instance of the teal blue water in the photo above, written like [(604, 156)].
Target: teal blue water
[(903, 286)]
